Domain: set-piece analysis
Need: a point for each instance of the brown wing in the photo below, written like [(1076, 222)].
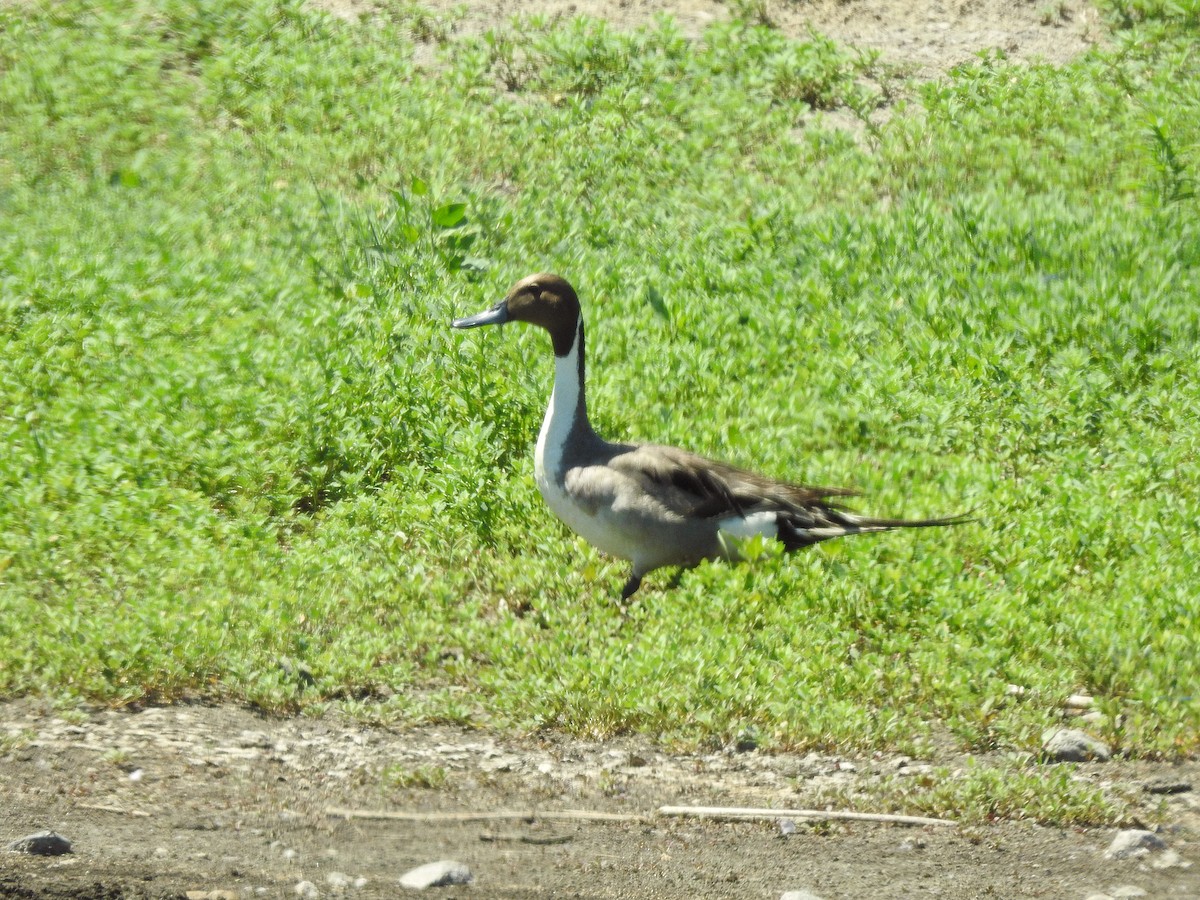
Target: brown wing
[(696, 487)]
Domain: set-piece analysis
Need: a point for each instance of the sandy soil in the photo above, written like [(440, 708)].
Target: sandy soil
[(926, 36), (219, 802)]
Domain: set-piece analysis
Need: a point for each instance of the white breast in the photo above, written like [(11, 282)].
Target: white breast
[(597, 525)]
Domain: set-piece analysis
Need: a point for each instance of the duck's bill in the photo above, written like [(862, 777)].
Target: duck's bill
[(497, 315)]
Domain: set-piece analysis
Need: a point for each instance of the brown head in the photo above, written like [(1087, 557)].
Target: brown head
[(545, 300)]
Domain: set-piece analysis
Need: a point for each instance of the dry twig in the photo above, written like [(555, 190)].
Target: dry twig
[(746, 812)]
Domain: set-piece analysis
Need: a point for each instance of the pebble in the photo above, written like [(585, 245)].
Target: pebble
[(339, 881), (1072, 745), (787, 827), (1169, 859), (307, 890), (44, 843), (798, 895), (1126, 890), (746, 741), (1133, 842), (436, 874)]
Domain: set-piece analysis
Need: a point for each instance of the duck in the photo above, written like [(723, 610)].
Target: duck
[(652, 505)]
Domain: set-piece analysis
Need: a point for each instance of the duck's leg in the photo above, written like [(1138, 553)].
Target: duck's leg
[(634, 582)]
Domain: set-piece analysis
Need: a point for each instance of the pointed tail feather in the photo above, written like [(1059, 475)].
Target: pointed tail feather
[(803, 531), (888, 524)]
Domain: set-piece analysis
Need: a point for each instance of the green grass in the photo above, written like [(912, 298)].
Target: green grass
[(983, 794), (245, 457)]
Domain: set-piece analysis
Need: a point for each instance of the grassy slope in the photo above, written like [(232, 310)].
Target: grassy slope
[(237, 428)]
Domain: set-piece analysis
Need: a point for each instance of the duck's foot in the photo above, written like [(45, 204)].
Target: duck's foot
[(631, 586)]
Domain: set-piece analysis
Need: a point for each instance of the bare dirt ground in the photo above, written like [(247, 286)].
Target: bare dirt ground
[(221, 802), (926, 37)]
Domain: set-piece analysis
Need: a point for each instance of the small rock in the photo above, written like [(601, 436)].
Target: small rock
[(746, 741), (1098, 897), (361, 882), (339, 881), (136, 775), (44, 843), (1126, 890), (436, 874), (1169, 859), (254, 739), (297, 671), (1072, 745), (1133, 842), (798, 895), (1166, 786), (289, 854), (211, 895), (787, 827), (306, 890), (1079, 701)]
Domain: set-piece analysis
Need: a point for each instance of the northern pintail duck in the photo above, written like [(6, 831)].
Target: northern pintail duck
[(655, 506)]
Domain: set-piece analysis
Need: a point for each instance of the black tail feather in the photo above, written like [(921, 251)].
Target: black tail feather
[(812, 527)]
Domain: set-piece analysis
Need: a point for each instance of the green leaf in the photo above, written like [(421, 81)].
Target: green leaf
[(450, 215), (419, 187)]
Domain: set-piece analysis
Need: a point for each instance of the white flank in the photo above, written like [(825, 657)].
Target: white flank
[(739, 528)]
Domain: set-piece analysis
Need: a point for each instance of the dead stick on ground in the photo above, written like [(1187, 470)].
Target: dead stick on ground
[(581, 815), (743, 812), (527, 839)]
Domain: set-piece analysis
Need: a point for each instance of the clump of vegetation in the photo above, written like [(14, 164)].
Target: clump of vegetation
[(984, 794), (400, 777)]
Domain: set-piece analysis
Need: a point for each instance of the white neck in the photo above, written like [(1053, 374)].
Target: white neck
[(566, 404)]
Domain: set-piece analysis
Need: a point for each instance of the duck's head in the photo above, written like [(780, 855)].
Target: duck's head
[(545, 300)]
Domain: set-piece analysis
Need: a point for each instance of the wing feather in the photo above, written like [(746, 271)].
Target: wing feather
[(696, 487)]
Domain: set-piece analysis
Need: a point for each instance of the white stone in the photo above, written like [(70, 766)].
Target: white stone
[(1169, 859), (798, 895), (1133, 842), (306, 890), (1071, 745), (436, 874)]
